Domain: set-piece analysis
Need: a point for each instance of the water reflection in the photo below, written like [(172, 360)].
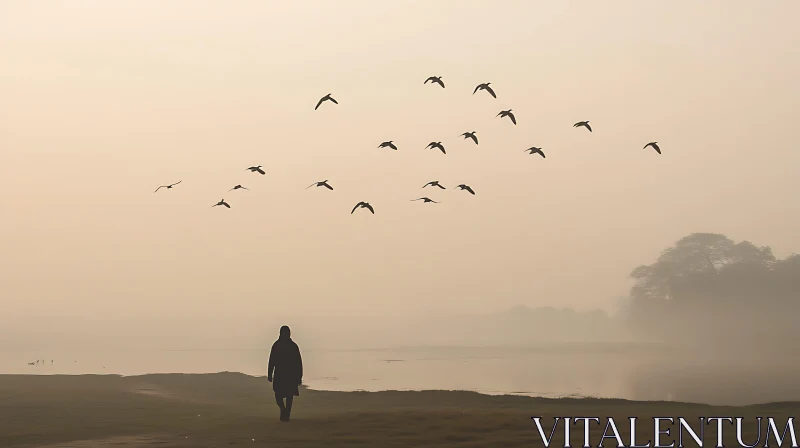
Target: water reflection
[(639, 372)]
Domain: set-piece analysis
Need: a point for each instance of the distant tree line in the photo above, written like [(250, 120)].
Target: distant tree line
[(708, 286)]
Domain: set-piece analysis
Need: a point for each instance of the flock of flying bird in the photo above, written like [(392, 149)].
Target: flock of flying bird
[(432, 145)]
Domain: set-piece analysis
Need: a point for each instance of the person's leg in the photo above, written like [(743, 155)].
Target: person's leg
[(289, 400), (279, 400)]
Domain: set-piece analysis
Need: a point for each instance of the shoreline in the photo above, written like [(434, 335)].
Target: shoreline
[(175, 375), (704, 382)]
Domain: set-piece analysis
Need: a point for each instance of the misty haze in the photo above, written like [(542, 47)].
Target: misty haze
[(180, 180), (700, 324)]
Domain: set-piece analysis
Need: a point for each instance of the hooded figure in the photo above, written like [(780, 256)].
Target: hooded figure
[(287, 365)]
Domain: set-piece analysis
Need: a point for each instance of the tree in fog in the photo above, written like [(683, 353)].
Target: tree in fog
[(708, 279)]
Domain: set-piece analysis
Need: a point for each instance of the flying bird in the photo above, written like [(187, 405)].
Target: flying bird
[(654, 145), (465, 187), (436, 79), (436, 145), (584, 124), (471, 135), (324, 183), (534, 150), (485, 86), (365, 205), (327, 97), (389, 144), (257, 169), (434, 183), (238, 187), (507, 113), (221, 202), (426, 200), (168, 186)]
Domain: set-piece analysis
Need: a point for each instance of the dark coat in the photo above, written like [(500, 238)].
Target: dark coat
[(287, 363)]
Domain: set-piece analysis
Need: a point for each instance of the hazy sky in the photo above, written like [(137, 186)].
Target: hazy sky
[(103, 101)]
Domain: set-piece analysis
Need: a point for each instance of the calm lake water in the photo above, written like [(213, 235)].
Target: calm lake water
[(642, 373)]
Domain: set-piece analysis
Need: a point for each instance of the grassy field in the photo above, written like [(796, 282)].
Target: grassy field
[(225, 409)]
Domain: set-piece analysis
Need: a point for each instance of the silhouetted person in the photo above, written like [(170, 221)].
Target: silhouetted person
[(287, 364)]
